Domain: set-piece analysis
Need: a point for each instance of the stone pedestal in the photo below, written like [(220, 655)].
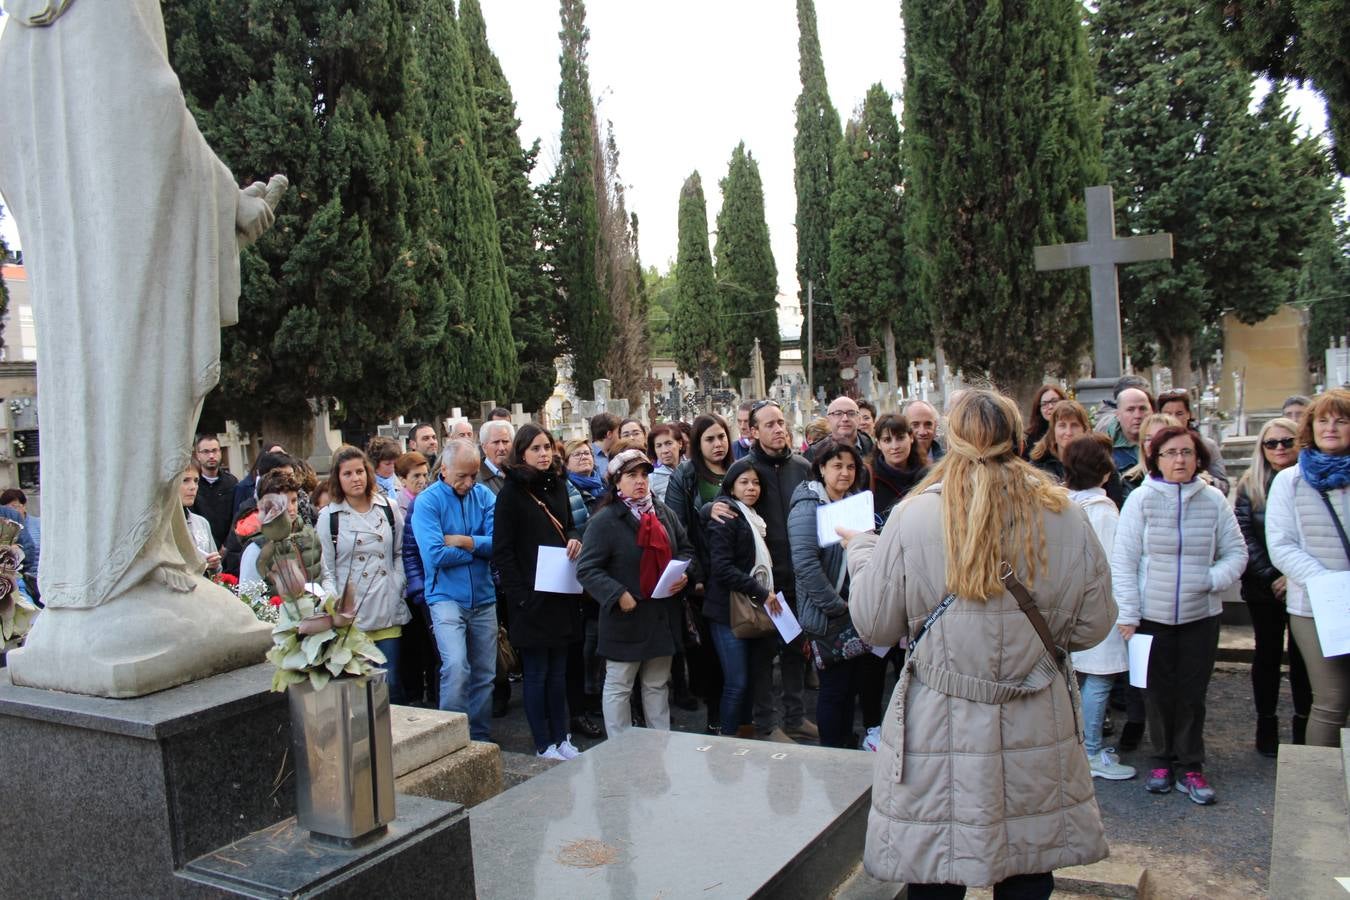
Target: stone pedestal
[(1091, 391), (119, 798)]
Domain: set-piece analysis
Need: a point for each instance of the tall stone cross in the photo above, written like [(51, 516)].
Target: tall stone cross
[(1100, 254), (651, 384)]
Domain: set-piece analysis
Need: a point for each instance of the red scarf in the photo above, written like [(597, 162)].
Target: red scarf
[(656, 555)]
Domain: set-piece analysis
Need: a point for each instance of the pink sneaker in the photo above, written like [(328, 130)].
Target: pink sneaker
[(1159, 781), (1194, 785)]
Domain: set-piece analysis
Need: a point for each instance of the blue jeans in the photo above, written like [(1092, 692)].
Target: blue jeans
[(467, 641), (1095, 690), (389, 647), (734, 654), (545, 694)]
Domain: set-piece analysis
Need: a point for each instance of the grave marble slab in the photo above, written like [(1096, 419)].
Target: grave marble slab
[(424, 852), (423, 736), (665, 814)]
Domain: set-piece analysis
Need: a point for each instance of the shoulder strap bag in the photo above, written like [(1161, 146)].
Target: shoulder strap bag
[(1028, 606)]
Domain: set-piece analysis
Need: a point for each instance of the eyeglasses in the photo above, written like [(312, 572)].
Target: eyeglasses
[(843, 413), (1177, 453), (1050, 404), (1280, 443)]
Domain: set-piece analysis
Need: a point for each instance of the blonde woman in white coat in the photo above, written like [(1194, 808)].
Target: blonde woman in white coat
[(1177, 549), (363, 551), (1087, 467)]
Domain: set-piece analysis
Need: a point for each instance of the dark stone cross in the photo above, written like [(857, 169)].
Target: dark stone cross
[(651, 384), (846, 354), (1100, 254)]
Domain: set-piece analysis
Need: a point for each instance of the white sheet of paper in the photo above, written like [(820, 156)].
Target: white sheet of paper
[(1139, 647), (555, 573), (665, 584), (786, 622), (854, 512), (1329, 595), (881, 651)]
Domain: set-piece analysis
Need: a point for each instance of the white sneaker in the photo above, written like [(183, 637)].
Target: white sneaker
[(872, 740), (567, 750), (1104, 765), (551, 753)]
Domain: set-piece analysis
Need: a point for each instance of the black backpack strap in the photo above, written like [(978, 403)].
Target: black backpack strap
[(333, 527), (389, 514), (1336, 520)]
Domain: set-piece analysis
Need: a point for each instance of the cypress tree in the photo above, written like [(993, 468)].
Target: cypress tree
[(1241, 192), (350, 293), (1301, 40), (813, 149), (1324, 286), (508, 166), (867, 246), (747, 277), (479, 337), (1002, 137), (585, 316), (625, 362), (696, 321)]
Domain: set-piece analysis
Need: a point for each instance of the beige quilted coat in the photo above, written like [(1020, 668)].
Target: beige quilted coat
[(981, 772)]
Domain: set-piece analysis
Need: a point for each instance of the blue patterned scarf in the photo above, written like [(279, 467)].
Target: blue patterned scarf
[(1324, 471)]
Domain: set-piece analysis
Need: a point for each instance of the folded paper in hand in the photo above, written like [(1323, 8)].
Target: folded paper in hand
[(854, 513), (665, 585)]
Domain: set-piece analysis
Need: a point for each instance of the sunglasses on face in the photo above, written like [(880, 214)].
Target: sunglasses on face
[(1281, 443)]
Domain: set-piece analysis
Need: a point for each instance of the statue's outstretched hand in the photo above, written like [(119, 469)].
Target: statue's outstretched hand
[(256, 204)]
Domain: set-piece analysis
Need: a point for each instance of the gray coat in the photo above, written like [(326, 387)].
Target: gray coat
[(609, 566), (817, 569)]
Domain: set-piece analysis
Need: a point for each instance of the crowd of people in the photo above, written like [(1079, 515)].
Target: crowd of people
[(1121, 526)]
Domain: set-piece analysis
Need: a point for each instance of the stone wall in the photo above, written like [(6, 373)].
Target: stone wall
[(1274, 354)]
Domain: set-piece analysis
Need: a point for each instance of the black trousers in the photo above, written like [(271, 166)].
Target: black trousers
[(1269, 624), (1017, 887), (1179, 668)]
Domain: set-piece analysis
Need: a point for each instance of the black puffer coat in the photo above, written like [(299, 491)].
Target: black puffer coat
[(1260, 574)]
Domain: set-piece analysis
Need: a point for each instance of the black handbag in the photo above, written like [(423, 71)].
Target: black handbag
[(839, 643)]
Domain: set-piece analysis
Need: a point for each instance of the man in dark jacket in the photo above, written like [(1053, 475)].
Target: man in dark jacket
[(215, 490), (780, 470)]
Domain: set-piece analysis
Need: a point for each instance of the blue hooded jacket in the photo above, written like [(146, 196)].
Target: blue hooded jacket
[(449, 573)]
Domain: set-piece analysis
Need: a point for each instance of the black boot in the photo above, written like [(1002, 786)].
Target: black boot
[(1300, 729), (1130, 736), (1267, 735)]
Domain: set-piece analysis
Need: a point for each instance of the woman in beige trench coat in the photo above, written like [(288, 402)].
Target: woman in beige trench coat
[(981, 776)]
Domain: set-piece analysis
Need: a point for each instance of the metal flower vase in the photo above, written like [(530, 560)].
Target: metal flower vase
[(344, 756)]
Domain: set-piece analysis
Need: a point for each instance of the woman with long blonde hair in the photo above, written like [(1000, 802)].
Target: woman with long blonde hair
[(981, 776)]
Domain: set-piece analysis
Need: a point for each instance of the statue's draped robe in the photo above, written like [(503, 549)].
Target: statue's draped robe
[(127, 220)]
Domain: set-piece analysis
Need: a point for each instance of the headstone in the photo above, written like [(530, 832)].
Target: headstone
[(866, 391), (630, 818), (321, 457), (1338, 365), (601, 386), (485, 409), (519, 416), (1100, 254), (758, 390)]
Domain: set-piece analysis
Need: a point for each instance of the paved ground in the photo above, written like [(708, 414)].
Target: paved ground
[(1219, 851)]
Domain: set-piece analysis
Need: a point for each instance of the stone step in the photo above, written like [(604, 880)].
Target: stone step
[(422, 736), (518, 768), (467, 777), (1310, 843)]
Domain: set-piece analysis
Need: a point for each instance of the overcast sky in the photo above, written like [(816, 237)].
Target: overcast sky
[(684, 82)]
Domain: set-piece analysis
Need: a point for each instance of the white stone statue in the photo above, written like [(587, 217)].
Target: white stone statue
[(131, 234)]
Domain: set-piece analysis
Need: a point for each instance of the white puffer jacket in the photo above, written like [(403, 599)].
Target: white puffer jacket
[(1178, 547), (1300, 535)]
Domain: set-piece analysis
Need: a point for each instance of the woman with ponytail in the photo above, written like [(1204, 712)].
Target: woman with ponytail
[(981, 777)]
